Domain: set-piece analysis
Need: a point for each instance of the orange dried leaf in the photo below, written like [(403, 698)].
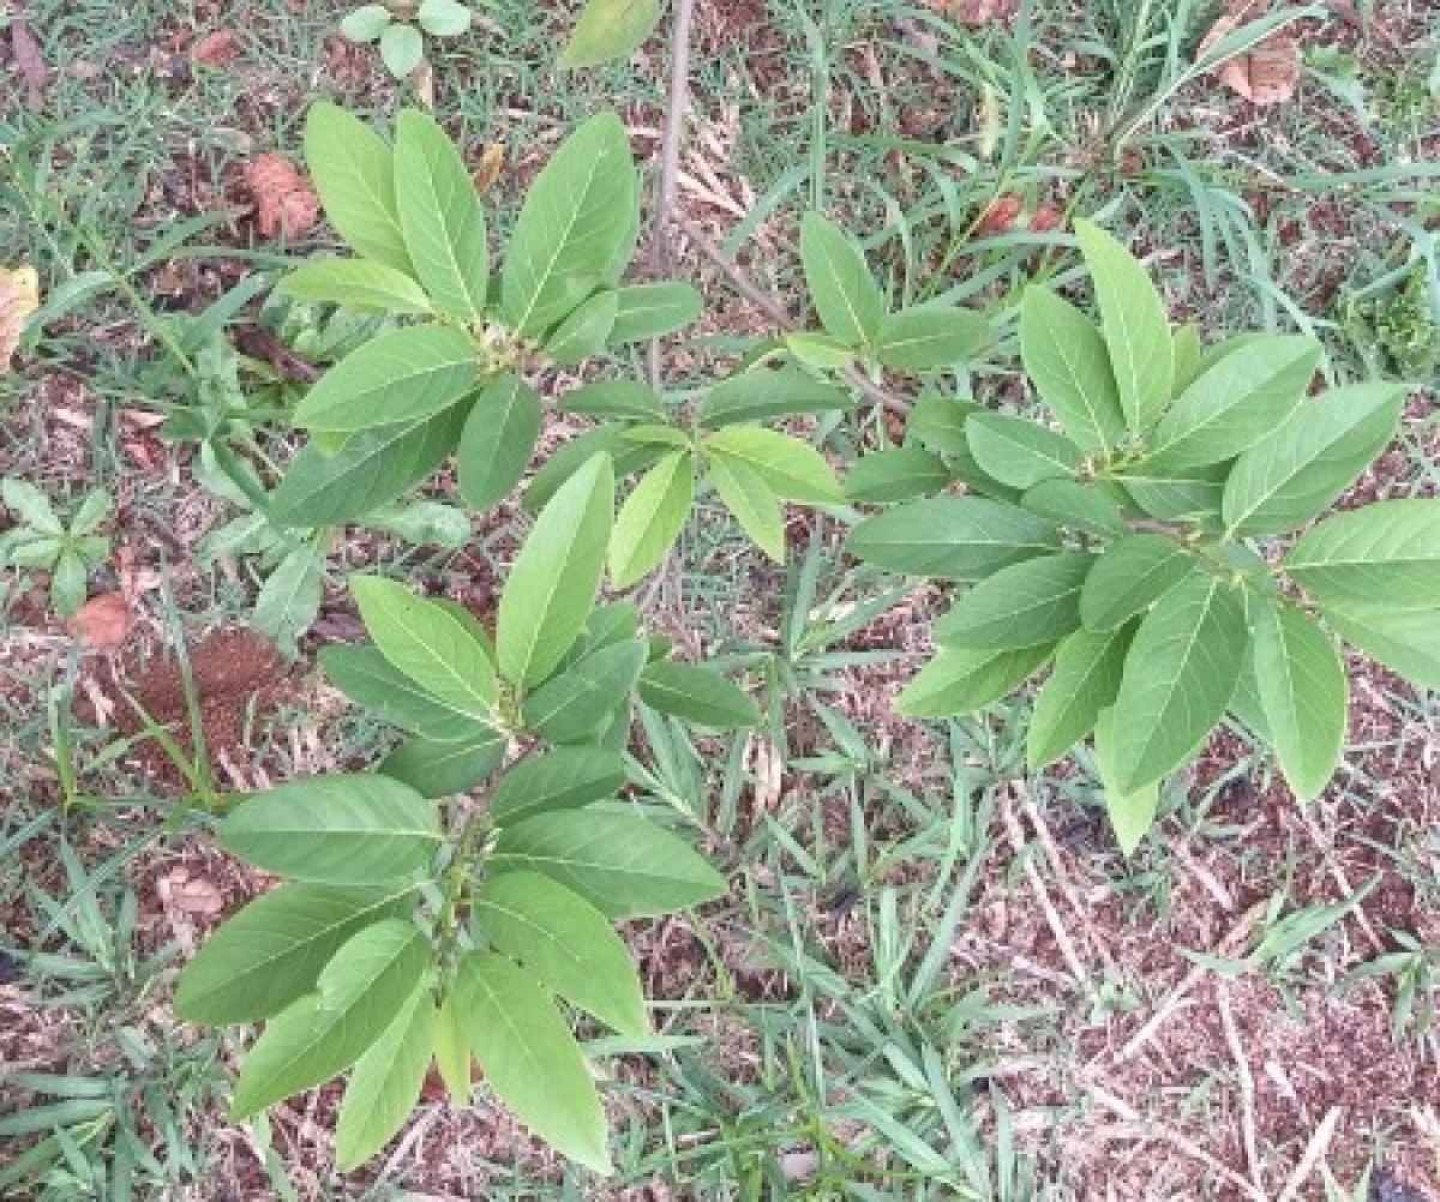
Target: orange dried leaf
[(285, 203), (103, 623), (1267, 73), (492, 163), (19, 298), (217, 49)]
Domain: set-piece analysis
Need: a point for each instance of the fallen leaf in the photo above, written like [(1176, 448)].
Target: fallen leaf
[(1047, 217), (103, 623), (30, 60), (976, 13), (1267, 73), (196, 896), (492, 163), (217, 49), (19, 298), (1000, 217), (285, 203)]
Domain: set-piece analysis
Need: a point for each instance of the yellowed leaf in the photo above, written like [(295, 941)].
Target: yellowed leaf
[(1266, 74), (19, 298)]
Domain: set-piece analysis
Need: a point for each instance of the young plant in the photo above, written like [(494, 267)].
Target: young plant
[(41, 541), (401, 26), (412, 930), (1145, 549), (608, 30)]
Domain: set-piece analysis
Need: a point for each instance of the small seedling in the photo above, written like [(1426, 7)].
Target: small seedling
[(43, 542), (401, 26)]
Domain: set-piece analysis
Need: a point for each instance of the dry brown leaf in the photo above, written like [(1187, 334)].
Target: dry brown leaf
[(1000, 217), (30, 60), (217, 49), (976, 13), (103, 623), (285, 203), (492, 163), (19, 298), (1266, 74)]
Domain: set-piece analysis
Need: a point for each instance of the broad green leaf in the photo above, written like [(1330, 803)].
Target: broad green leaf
[(565, 942), (397, 378), (698, 695), (499, 437), (923, 339), (1245, 705), (386, 1082), (1184, 494), (812, 349), (1189, 356), (371, 681), (651, 519), (585, 332), (1084, 682), (577, 701), (763, 394), (272, 951), (554, 580), (402, 49), (657, 434), (566, 779), (961, 680), (424, 524), (614, 623), (288, 601), (370, 470), (69, 584), (354, 172), (622, 400), (335, 830), (955, 538), (1130, 576), (576, 220), (896, 474), (850, 305), (609, 29), (1407, 641), (937, 423), (443, 18), (441, 217), (628, 458), (649, 311), (1179, 677), (754, 504), (444, 769), (1019, 452), (530, 1058), (1090, 507), (429, 644), (1065, 357), (1389, 552), (792, 469), (355, 284), (1235, 404), (358, 995), (452, 1052), (32, 505), (1024, 605), (1132, 813), (1294, 474), (1135, 327), (366, 23), (625, 865), (1304, 695)]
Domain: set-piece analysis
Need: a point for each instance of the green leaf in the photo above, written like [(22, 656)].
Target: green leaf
[(622, 864), (1235, 404), (1018, 452), (937, 423), (1304, 695), (609, 29), (531, 1060), (371, 681), (1184, 494), (850, 305), (1189, 356), (386, 1082), (441, 217), (651, 519), (366, 23), (553, 583), (566, 779), (955, 538), (1023, 605), (335, 830), (812, 349), (1389, 551), (1135, 326), (399, 377), (452, 1052), (1088, 507), (961, 680), (567, 943), (1085, 681), (355, 284), (33, 506), (627, 457), (896, 474), (698, 695), (575, 221), (573, 704), (753, 503), (646, 311), (370, 470), (498, 441), (1065, 357), (1130, 576), (429, 644), (585, 332), (1132, 813), (359, 993), (354, 172), (1179, 677), (69, 583), (272, 951), (445, 769), (1407, 641), (622, 400), (763, 394), (424, 524), (1294, 474), (791, 469), (288, 601), (402, 49), (443, 18), (923, 339)]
